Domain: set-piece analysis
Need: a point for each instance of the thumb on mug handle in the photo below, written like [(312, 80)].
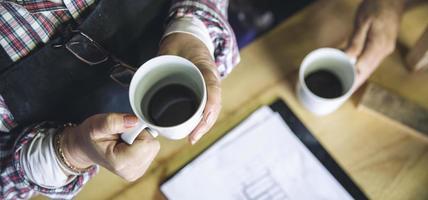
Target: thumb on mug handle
[(130, 135)]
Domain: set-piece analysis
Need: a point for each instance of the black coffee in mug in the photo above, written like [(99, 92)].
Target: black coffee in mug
[(324, 84), (171, 105)]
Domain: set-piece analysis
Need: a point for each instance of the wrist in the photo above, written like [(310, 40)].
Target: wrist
[(185, 45), (191, 48), (73, 150)]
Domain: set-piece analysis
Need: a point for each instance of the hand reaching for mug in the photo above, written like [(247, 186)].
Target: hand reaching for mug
[(97, 141), (375, 31), (191, 48)]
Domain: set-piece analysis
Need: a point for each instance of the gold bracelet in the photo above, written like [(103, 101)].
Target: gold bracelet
[(60, 153)]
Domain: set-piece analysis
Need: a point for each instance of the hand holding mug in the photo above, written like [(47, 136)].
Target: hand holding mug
[(97, 141), (375, 32), (191, 48)]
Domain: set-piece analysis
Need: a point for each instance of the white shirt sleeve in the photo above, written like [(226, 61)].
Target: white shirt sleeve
[(56, 1), (192, 26), (40, 163)]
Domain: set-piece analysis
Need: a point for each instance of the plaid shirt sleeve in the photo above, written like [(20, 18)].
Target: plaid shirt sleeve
[(213, 13), (6, 118), (14, 184)]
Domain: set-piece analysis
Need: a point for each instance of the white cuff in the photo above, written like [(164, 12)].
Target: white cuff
[(192, 26), (40, 163), (56, 1)]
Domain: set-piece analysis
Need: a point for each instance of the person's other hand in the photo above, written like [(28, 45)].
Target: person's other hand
[(375, 32), (97, 141), (191, 48)]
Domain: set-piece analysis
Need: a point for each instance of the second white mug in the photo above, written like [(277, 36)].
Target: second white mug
[(335, 62)]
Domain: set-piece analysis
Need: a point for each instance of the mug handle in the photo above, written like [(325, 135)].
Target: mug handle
[(130, 135)]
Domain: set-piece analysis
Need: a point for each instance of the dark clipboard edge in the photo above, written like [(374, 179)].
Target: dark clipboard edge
[(317, 149), (310, 142)]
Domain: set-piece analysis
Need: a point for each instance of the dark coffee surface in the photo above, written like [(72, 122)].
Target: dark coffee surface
[(324, 84), (172, 104)]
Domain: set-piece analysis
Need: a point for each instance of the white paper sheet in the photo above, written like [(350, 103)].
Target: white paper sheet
[(259, 159)]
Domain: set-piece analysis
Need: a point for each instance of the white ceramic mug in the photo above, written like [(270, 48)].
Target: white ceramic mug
[(331, 60), (154, 74)]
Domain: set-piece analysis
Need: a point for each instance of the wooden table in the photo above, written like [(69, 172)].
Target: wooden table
[(382, 158)]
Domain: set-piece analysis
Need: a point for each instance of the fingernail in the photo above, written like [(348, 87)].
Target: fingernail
[(210, 118), (130, 120), (196, 138)]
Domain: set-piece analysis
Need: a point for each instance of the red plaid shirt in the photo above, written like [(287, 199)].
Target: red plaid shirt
[(26, 24)]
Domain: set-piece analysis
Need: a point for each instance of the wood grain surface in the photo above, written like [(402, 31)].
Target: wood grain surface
[(395, 108)]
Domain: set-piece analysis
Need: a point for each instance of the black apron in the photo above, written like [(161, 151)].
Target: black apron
[(52, 84)]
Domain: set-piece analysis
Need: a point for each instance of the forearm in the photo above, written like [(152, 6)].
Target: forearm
[(29, 165), (39, 162), (213, 15), (191, 26), (33, 160)]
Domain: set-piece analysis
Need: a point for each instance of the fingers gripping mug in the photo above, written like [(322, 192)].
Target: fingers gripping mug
[(168, 95)]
